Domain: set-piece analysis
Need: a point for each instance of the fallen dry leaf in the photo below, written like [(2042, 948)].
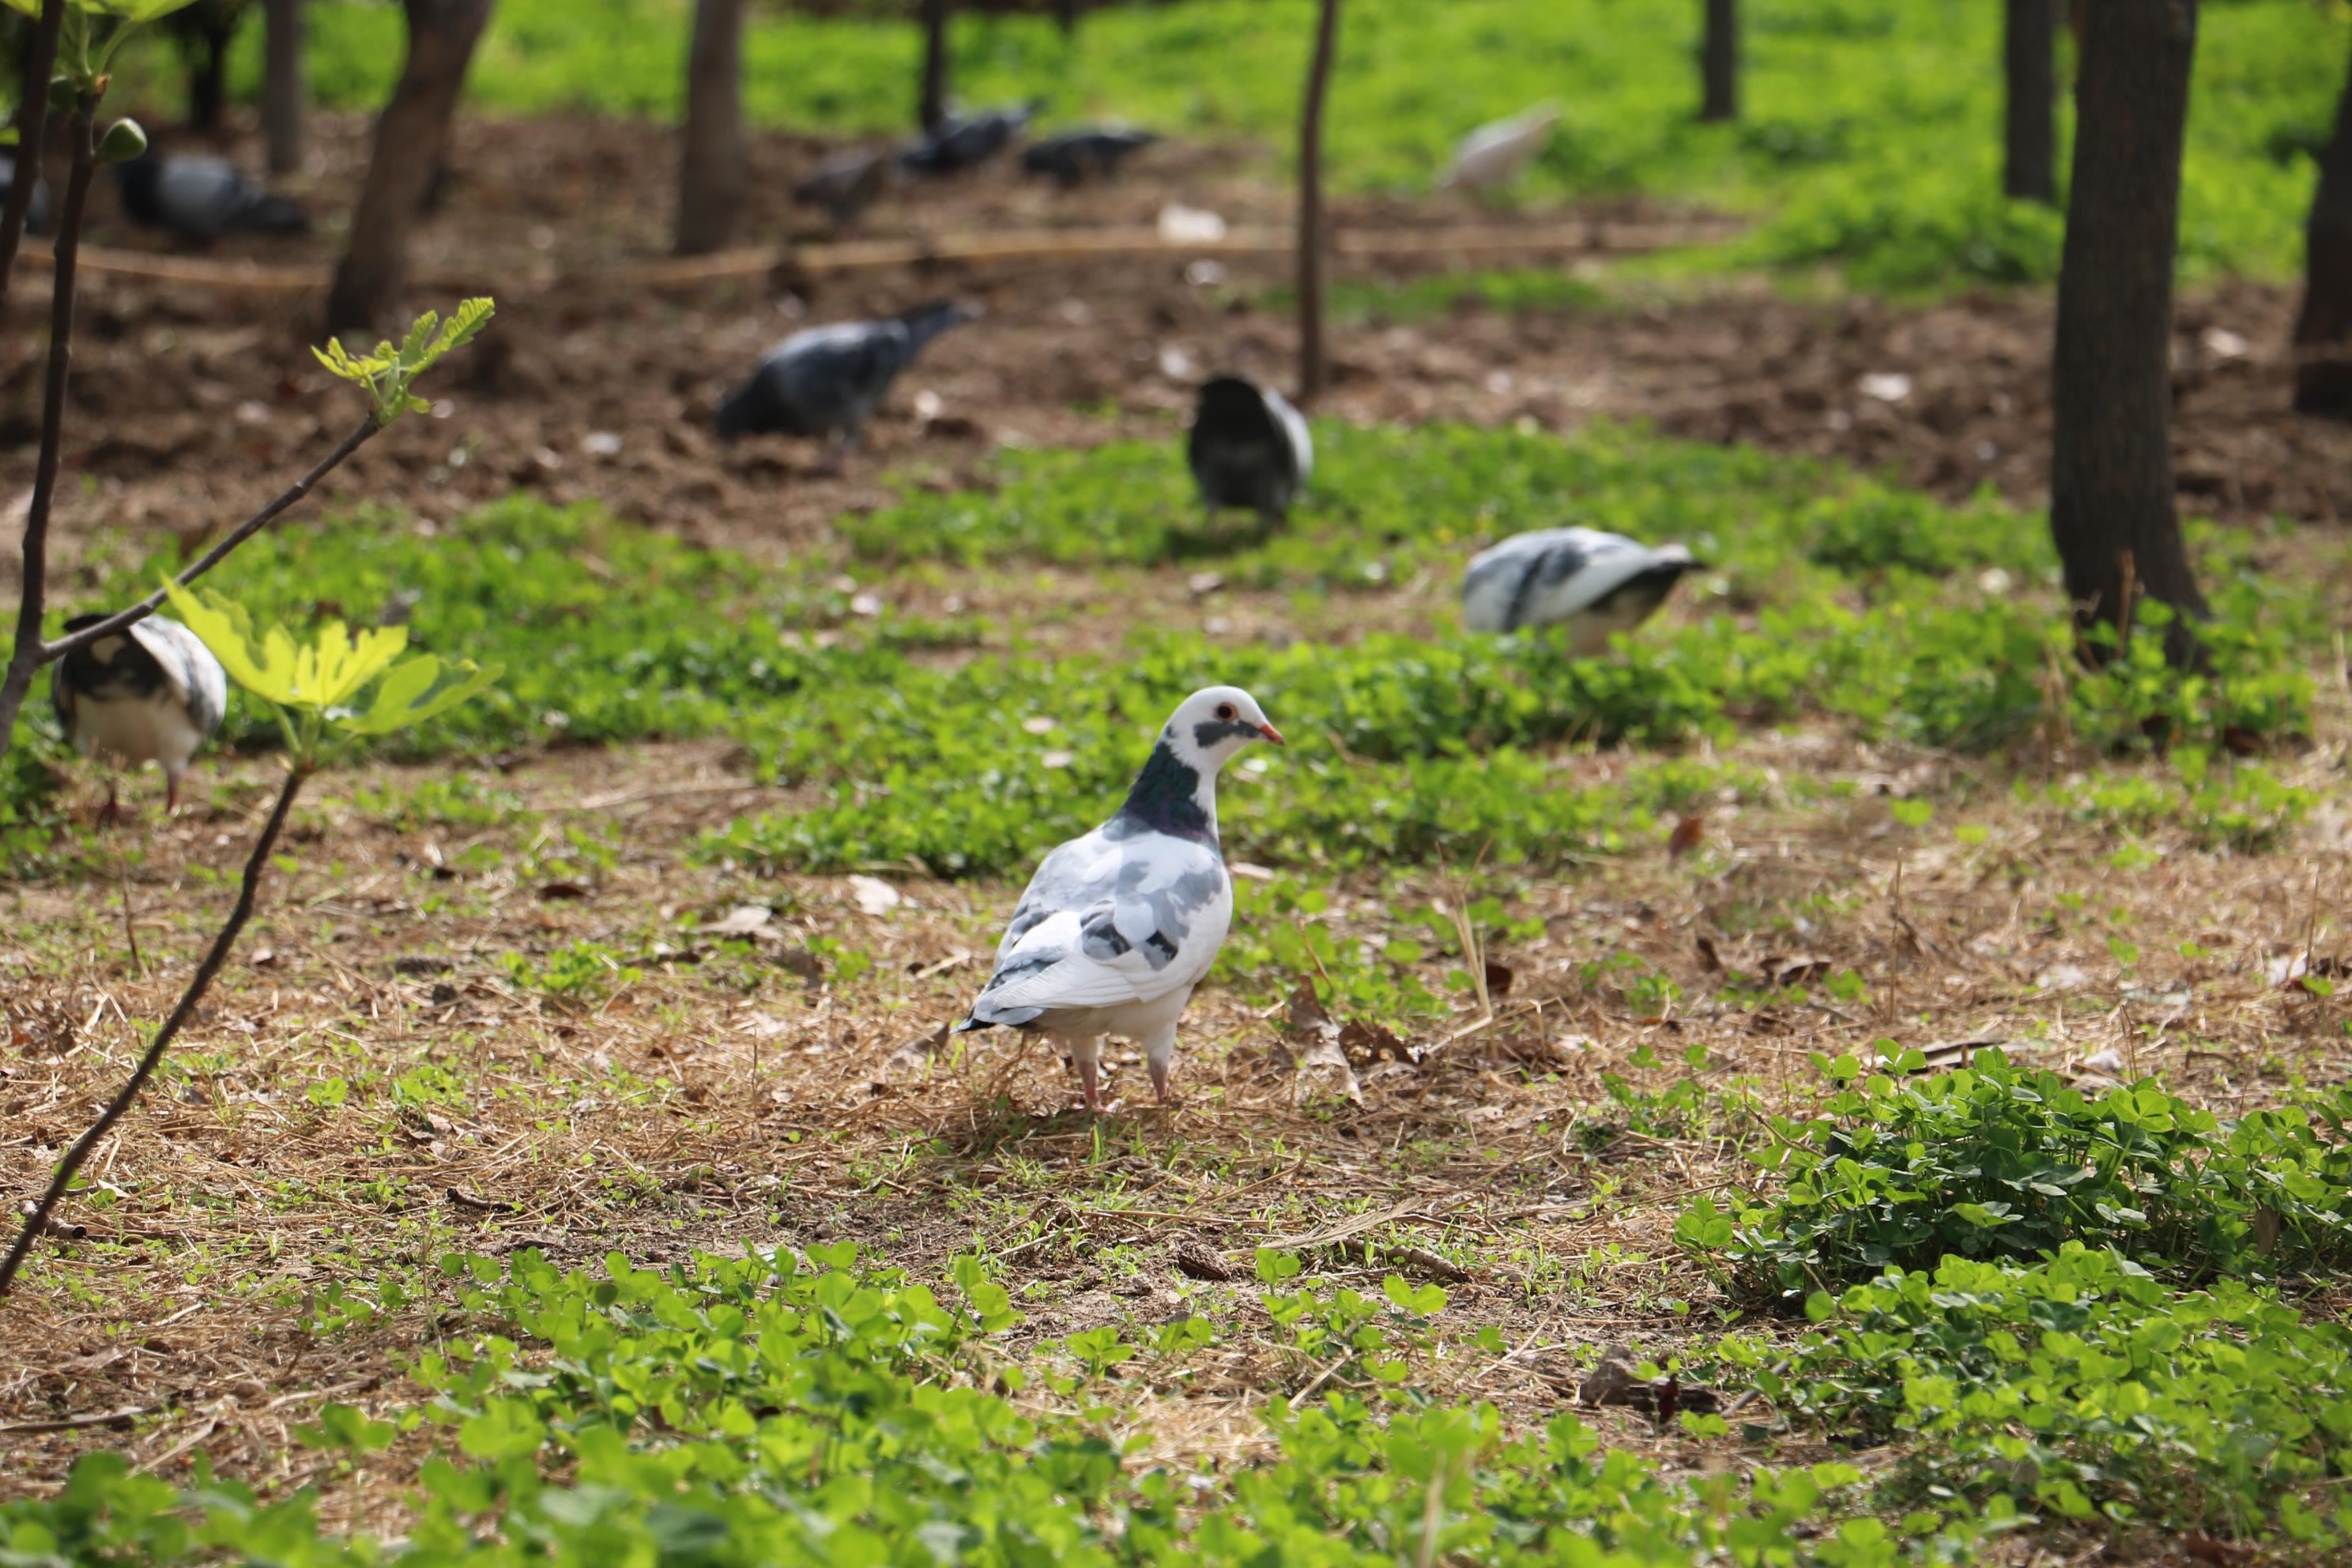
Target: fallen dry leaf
[(874, 896), (1685, 836)]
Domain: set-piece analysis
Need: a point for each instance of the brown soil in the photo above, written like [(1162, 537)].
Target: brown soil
[(191, 403)]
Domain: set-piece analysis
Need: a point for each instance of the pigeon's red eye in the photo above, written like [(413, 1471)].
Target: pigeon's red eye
[(1225, 711)]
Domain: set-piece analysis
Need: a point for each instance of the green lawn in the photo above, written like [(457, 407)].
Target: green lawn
[(1871, 133)]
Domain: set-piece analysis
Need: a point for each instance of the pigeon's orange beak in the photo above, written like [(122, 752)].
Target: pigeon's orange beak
[(1271, 734)]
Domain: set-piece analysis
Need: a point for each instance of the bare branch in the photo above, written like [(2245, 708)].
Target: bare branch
[(37, 1221), (51, 652)]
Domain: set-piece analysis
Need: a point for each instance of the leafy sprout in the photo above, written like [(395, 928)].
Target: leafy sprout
[(98, 25), (314, 687), (389, 372)]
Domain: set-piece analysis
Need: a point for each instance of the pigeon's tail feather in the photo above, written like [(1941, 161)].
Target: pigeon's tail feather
[(925, 323), (266, 214)]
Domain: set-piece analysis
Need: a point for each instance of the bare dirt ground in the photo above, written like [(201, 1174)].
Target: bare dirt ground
[(190, 402)]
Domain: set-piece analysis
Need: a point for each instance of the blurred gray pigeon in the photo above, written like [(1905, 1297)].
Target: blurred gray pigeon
[(201, 198), (963, 142), (1249, 447), (1595, 583), (828, 379), (153, 693), (847, 183), (1073, 156), (1118, 927)]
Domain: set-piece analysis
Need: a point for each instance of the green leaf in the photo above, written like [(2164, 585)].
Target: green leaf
[(409, 695)]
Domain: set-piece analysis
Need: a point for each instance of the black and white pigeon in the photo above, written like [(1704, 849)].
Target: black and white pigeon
[(151, 694), (1595, 583), (1117, 928), (37, 213), (961, 142), (199, 199), (1249, 447), (828, 379), (1073, 156), (847, 183)]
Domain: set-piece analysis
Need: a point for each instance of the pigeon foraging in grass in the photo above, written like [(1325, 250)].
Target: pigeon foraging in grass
[(1596, 584), (961, 142), (1073, 156), (1118, 927), (1248, 447), (202, 198), (827, 380), (1492, 156), (153, 693)]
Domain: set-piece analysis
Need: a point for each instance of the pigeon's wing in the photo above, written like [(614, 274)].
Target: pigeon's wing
[(839, 371), (1537, 579), (195, 678), (1110, 923), (1294, 430)]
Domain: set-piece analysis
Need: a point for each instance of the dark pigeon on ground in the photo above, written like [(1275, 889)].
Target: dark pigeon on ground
[(37, 216), (963, 142), (1249, 447), (847, 183), (1072, 156), (201, 198), (827, 380)]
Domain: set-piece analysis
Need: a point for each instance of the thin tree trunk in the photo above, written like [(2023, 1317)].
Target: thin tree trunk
[(282, 84), (2030, 132), (1311, 236), (32, 132), (2322, 332), (411, 137), (1066, 12), (933, 107), (712, 171), (1718, 62), (32, 603), (208, 76), (37, 1219), (2111, 498)]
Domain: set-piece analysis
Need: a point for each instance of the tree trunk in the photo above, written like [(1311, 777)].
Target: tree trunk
[(1718, 62), (2028, 58), (1310, 205), (712, 173), (933, 107), (2322, 333), (2111, 497), (1066, 12), (282, 84), (411, 136), (208, 78)]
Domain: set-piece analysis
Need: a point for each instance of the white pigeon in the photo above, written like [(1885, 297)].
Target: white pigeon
[(1117, 928), (153, 693), (1595, 583), (1492, 156)]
